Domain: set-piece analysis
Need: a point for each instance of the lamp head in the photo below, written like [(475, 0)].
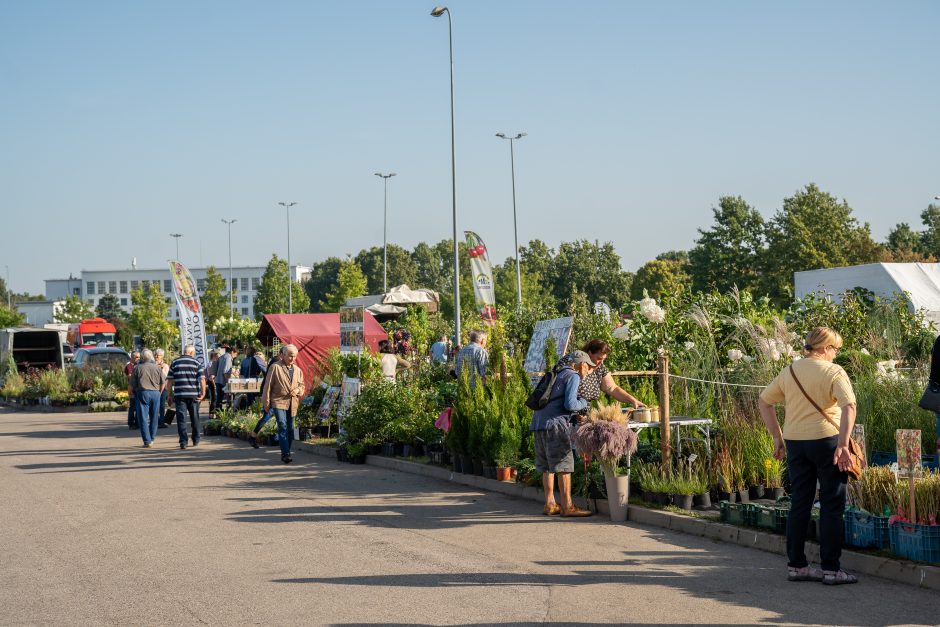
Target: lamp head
[(391, 174), (501, 135), (438, 11), (521, 135)]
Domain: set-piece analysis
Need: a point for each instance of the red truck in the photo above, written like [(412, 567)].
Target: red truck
[(91, 333)]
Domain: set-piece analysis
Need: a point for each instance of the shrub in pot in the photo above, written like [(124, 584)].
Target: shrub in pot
[(606, 437)]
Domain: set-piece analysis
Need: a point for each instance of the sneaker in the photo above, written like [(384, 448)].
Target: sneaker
[(182, 446), (195, 442), (807, 573), (286, 459), (837, 578), (148, 444), (575, 512)]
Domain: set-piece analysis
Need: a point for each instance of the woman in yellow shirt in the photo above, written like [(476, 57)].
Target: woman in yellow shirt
[(819, 415)]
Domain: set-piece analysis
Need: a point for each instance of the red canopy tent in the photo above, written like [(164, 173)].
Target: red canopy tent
[(313, 335)]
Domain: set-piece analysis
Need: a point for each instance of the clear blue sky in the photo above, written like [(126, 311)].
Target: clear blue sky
[(121, 122)]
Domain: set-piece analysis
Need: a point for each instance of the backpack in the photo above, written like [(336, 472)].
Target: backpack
[(543, 390)]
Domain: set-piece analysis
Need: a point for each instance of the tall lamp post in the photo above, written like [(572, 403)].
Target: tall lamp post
[(385, 178), (231, 290), (437, 12), (290, 278), (515, 223), (177, 237)]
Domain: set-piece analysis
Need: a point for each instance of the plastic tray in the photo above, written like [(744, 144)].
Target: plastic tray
[(864, 530), (920, 543)]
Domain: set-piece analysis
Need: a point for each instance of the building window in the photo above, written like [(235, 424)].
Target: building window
[(134, 285), (124, 287), (234, 284), (244, 299), (123, 302), (91, 287), (244, 311), (101, 287), (254, 282), (245, 284), (112, 287), (201, 285), (166, 285)]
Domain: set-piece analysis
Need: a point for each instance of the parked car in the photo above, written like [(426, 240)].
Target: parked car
[(109, 358)]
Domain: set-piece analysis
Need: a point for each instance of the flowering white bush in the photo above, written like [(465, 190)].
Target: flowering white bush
[(651, 311), (735, 355), (622, 332), (689, 345), (773, 350)]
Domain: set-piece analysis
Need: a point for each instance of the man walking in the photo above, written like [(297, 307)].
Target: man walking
[(131, 403), (281, 394), (473, 357), (223, 372), (187, 385), (145, 385)]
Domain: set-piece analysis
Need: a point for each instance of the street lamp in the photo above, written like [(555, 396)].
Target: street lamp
[(177, 237), (385, 178), (290, 278), (515, 223), (437, 12), (231, 290)]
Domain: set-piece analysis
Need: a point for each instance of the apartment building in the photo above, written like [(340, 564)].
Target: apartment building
[(91, 285)]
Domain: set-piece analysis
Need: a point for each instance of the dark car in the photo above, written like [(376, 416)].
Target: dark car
[(110, 358)]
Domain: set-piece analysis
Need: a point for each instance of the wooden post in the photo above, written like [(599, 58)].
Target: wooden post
[(664, 434)]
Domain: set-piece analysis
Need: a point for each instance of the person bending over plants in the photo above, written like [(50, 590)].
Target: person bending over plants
[(599, 379), (551, 427)]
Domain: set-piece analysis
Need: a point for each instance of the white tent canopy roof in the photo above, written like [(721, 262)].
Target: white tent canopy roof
[(921, 282), (401, 295)]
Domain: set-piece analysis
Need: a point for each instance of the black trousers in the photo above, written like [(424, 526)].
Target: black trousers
[(191, 405), (809, 461)]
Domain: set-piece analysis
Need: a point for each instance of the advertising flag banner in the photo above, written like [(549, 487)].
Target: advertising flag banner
[(192, 323), (482, 271)]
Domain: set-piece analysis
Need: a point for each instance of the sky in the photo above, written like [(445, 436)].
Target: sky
[(122, 122)]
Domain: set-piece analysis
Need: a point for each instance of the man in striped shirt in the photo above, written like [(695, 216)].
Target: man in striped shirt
[(187, 383)]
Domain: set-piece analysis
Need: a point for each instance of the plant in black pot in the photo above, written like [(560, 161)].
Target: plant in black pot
[(356, 453)]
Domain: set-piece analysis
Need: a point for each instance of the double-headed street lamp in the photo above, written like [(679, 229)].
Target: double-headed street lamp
[(515, 223), (290, 278), (231, 289), (177, 237), (437, 12), (385, 178)]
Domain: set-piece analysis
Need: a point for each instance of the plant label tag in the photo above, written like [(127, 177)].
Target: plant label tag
[(692, 457)]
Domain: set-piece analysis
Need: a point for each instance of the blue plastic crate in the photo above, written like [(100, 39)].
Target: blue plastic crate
[(864, 530), (920, 543), (879, 458)]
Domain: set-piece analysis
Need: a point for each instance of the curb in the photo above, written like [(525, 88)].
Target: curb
[(897, 570)]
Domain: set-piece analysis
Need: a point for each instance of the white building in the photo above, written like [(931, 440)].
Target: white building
[(91, 285), (39, 312)]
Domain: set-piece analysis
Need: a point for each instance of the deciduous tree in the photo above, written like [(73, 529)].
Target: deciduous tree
[(215, 298), (350, 283), (273, 291), (728, 254), (150, 318), (109, 308), (74, 309)]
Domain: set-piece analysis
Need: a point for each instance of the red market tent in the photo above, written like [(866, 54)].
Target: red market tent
[(313, 335)]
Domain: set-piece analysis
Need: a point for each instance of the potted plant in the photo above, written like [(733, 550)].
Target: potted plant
[(724, 472), (356, 453), (506, 450), (605, 435)]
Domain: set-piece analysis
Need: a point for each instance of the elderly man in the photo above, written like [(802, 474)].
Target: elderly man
[(187, 383), (281, 394), (132, 404), (145, 385), (223, 372), (474, 357), (551, 427)]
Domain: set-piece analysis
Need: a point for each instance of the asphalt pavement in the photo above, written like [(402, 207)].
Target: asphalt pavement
[(95, 529)]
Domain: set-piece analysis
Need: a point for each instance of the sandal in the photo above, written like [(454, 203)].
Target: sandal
[(807, 573), (838, 578)]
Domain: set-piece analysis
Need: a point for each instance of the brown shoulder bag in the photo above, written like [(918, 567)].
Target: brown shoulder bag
[(856, 459)]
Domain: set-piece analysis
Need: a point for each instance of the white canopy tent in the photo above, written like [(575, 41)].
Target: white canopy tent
[(920, 281), (389, 305)]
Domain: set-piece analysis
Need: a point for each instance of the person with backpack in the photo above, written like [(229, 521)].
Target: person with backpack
[(600, 379), (551, 427)]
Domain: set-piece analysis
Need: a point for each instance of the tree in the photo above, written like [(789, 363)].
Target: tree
[(728, 254), (590, 268), (273, 292), (930, 238), (350, 282), (432, 266), (10, 317), (74, 309), (322, 278), (150, 317), (659, 278), (402, 269), (813, 230), (109, 308), (215, 298), (905, 244)]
